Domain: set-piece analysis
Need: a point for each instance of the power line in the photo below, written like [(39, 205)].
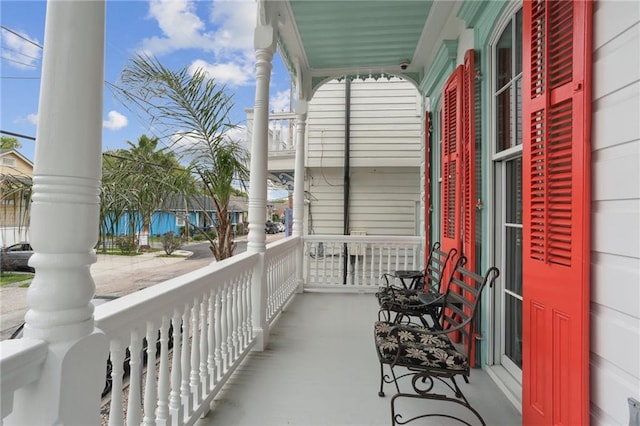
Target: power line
[(20, 53), (18, 135), (20, 36), (18, 62), (19, 78)]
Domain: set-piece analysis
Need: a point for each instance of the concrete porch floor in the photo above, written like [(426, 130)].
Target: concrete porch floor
[(321, 369)]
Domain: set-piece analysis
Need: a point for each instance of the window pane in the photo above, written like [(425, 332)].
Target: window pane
[(518, 117), (513, 329), (504, 54), (513, 191), (513, 260), (518, 46), (503, 120)]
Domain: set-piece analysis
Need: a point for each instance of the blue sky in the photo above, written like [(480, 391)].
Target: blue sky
[(216, 35)]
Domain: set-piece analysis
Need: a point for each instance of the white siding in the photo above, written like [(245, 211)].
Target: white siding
[(615, 261), (382, 201), (385, 124)]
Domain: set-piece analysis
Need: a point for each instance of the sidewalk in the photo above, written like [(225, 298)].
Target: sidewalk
[(108, 264)]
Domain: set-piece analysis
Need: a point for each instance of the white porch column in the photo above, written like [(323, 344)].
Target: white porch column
[(298, 189), (265, 43), (64, 220)]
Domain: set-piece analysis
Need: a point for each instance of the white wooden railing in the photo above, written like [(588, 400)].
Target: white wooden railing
[(280, 264), (205, 316), (282, 130), (199, 325), (367, 259)]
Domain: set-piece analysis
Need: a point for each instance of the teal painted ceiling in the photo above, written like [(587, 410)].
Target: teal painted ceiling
[(359, 34)]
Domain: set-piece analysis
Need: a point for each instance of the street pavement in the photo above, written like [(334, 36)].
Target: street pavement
[(117, 276)]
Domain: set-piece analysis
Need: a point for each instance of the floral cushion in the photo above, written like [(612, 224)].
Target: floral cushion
[(414, 347), (402, 300)]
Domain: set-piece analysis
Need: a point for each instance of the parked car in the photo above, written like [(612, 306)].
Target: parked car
[(271, 228), (16, 257), (126, 367)]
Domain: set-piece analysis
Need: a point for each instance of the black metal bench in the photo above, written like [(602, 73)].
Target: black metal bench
[(439, 352), (422, 298)]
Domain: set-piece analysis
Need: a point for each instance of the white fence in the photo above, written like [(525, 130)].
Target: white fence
[(13, 234), (357, 263)]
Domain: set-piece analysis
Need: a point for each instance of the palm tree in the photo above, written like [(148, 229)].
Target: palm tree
[(191, 112), (135, 183)]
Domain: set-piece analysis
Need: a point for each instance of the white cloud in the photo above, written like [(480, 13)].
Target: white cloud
[(235, 21), (19, 52), (280, 101), (115, 121), (181, 27), (227, 73), (232, 26), (228, 36), (33, 119), (237, 134)]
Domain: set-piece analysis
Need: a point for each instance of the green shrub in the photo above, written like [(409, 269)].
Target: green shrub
[(170, 242), (127, 244)]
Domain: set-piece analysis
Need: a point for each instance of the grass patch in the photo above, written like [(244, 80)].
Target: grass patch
[(117, 252), (172, 255), (10, 278)]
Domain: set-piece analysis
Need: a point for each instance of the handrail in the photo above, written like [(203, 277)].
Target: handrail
[(20, 365)]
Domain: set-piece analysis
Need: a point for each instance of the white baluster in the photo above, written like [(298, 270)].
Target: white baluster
[(204, 345), (372, 274), (135, 373), (243, 313), (356, 266), (249, 310), (234, 312), (162, 411), (211, 363), (194, 378), (150, 398), (175, 406), (218, 332), (223, 330), (229, 315), (185, 390), (116, 417)]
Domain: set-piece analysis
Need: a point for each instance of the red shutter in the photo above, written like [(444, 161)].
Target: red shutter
[(556, 189), (451, 161), (427, 185), (469, 161), (468, 172)]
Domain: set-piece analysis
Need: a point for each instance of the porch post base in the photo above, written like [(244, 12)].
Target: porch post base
[(71, 381), (261, 341)]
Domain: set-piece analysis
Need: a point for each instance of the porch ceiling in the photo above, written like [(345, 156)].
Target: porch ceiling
[(321, 40), (357, 34)]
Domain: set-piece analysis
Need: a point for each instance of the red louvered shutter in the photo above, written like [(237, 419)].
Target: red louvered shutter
[(469, 171), (556, 190), (427, 185), (469, 161), (451, 161)]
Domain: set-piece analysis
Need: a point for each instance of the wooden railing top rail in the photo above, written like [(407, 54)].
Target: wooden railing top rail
[(387, 239), (19, 365)]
